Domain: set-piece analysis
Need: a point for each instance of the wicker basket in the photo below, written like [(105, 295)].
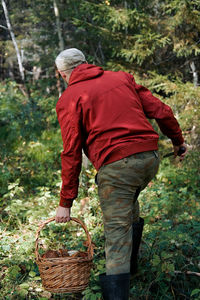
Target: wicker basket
[(65, 274)]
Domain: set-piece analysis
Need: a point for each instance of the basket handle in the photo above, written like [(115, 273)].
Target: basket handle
[(41, 226)]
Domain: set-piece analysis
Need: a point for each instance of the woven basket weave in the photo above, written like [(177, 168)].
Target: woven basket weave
[(64, 274)]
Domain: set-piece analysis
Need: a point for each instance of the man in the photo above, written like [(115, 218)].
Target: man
[(105, 114)]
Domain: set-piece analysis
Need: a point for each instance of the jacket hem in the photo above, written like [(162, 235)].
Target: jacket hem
[(128, 149)]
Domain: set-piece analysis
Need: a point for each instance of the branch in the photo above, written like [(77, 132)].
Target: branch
[(187, 273), (4, 27)]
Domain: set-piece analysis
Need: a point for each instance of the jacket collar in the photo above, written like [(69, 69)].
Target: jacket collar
[(84, 72)]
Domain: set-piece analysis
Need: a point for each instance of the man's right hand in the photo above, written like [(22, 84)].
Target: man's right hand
[(176, 149), (63, 214)]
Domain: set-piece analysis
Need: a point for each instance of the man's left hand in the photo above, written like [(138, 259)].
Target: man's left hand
[(63, 214), (176, 149)]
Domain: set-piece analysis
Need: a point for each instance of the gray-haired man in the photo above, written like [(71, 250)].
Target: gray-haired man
[(105, 114)]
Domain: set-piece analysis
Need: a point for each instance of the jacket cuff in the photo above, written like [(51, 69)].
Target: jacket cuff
[(66, 202), (178, 141)]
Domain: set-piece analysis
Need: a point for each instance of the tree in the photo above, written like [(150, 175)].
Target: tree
[(19, 56), (143, 36)]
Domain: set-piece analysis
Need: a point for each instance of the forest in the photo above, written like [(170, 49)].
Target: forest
[(159, 43)]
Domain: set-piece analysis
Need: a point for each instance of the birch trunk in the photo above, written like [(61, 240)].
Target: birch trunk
[(195, 74), (19, 59), (58, 27)]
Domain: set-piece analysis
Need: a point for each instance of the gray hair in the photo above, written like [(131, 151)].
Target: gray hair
[(69, 59)]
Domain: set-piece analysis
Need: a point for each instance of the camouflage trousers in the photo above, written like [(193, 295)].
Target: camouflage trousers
[(119, 184)]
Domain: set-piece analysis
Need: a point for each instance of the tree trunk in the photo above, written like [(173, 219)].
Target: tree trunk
[(21, 69), (126, 7), (61, 44), (58, 27), (195, 74)]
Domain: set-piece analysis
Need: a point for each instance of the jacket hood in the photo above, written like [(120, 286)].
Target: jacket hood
[(85, 72)]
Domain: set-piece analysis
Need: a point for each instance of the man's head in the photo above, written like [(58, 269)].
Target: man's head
[(67, 60)]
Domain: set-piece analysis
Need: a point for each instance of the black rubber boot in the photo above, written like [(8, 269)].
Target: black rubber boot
[(137, 236), (115, 287)]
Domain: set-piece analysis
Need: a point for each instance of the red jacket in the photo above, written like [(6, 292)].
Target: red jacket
[(105, 114)]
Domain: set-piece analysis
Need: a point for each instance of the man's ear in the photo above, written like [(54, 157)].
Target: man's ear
[(63, 74)]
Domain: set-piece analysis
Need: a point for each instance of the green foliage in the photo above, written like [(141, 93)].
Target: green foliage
[(182, 98), (183, 26), (28, 146), (171, 211), (144, 47), (148, 35), (30, 185)]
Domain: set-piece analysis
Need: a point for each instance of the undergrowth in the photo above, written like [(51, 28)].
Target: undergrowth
[(29, 189)]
